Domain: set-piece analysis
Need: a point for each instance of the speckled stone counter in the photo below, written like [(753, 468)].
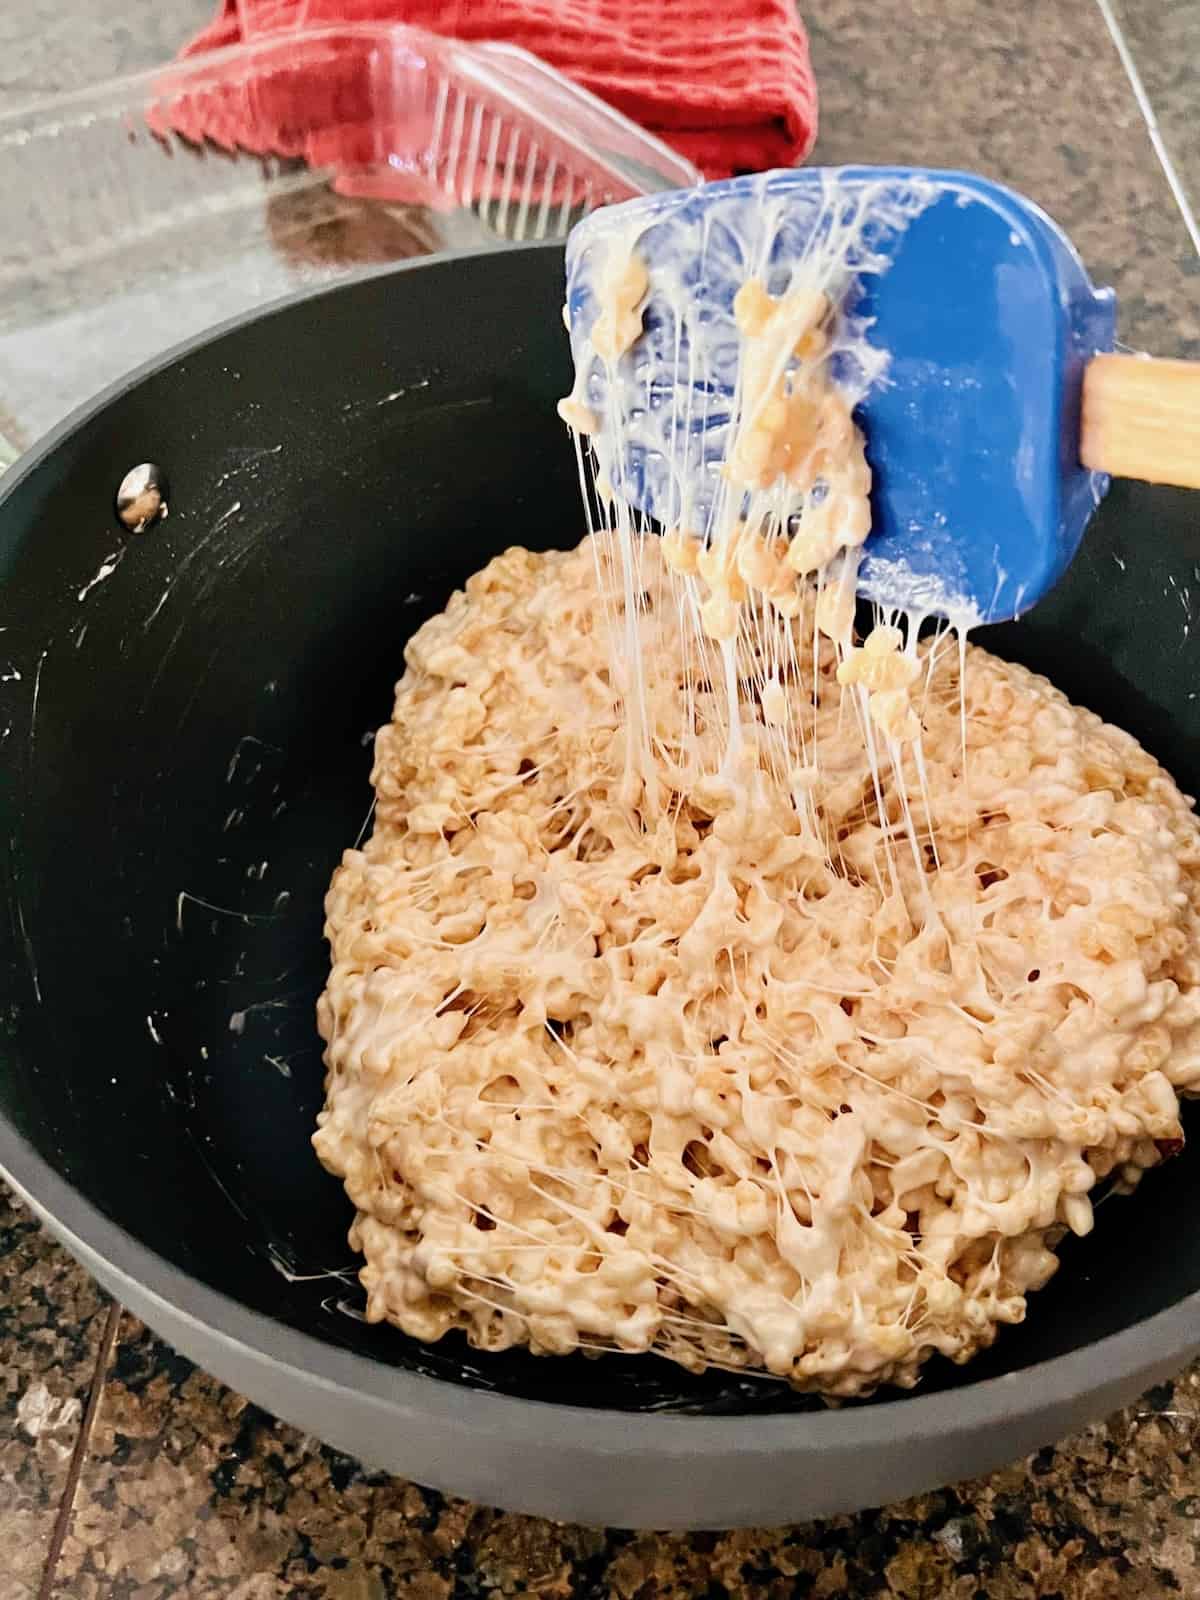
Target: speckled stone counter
[(126, 1473), (185, 1489)]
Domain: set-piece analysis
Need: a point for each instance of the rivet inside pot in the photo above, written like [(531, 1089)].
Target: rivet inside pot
[(142, 497)]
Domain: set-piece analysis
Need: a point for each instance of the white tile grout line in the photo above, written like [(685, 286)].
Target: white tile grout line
[(1170, 172)]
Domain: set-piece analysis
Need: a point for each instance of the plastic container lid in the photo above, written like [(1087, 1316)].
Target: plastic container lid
[(143, 211)]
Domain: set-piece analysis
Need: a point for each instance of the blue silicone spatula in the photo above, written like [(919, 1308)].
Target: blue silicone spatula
[(975, 345)]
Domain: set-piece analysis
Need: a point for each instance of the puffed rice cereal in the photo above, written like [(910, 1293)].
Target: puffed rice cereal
[(670, 1063)]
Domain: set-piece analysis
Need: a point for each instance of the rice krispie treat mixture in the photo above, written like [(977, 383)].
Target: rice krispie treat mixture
[(793, 1045), (715, 982)]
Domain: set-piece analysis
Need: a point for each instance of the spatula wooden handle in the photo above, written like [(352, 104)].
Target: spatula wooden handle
[(1141, 419)]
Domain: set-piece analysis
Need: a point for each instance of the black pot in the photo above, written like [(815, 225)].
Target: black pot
[(185, 757)]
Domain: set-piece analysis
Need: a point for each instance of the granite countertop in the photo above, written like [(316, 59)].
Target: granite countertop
[(125, 1472)]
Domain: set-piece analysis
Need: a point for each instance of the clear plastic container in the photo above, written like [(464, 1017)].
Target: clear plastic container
[(143, 211)]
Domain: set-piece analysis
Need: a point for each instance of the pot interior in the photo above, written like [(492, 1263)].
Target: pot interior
[(186, 753)]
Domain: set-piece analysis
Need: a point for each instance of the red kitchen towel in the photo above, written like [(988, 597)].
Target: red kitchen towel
[(728, 83)]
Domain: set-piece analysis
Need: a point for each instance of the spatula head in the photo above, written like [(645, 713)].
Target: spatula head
[(968, 328)]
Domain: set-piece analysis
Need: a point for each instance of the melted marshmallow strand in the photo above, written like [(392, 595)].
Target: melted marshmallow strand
[(721, 985)]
